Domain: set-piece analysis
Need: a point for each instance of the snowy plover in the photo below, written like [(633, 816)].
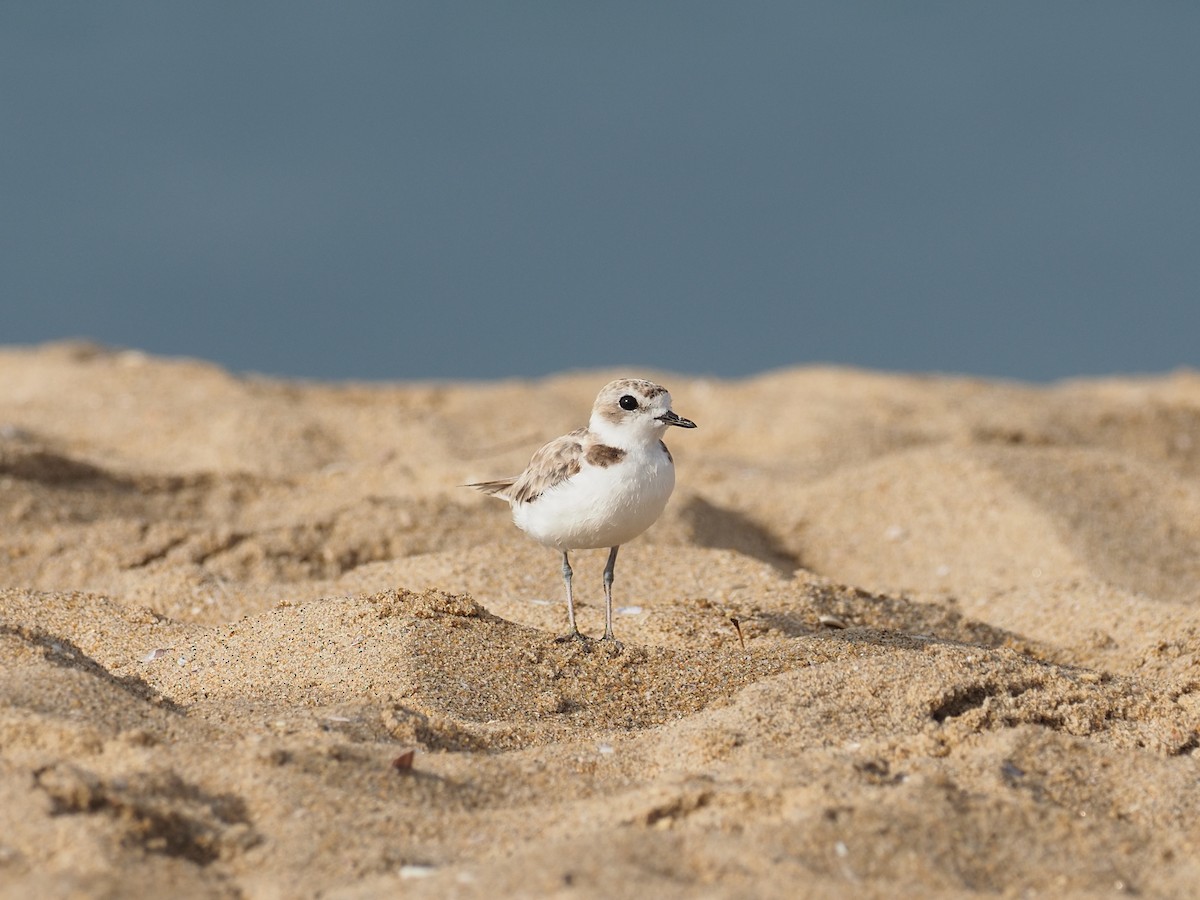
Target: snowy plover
[(598, 486)]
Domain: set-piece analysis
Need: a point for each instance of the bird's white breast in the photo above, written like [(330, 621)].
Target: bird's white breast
[(601, 506)]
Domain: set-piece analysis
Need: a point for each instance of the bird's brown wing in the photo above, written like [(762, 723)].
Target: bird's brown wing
[(553, 463)]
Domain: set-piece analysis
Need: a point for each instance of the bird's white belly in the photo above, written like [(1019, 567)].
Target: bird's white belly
[(600, 507)]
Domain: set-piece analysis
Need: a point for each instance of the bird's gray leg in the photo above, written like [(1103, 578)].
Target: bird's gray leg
[(608, 580), (573, 632)]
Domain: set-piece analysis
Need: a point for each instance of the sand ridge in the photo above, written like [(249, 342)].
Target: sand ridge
[(968, 659)]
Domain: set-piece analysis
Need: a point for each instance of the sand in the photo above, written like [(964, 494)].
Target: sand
[(968, 660)]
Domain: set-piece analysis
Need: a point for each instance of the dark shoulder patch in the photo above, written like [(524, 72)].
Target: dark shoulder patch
[(670, 458), (603, 455)]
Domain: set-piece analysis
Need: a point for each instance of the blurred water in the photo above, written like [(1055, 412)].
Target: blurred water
[(408, 190)]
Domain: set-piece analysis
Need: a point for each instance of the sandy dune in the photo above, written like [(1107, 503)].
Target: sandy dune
[(969, 658)]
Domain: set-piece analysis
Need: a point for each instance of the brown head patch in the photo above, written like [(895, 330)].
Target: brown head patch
[(603, 455), (608, 402), (647, 389), (612, 413)]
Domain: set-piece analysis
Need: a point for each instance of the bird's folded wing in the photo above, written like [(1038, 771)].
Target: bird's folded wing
[(551, 465)]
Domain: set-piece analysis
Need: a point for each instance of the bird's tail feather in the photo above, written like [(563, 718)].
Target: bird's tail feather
[(493, 487)]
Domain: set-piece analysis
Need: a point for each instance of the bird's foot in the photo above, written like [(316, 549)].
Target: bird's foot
[(575, 635), (611, 642)]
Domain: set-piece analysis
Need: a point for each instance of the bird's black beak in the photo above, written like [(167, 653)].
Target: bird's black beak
[(669, 418)]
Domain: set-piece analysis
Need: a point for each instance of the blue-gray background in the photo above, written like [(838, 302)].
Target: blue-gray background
[(441, 189)]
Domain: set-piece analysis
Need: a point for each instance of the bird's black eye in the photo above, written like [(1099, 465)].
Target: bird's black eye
[(629, 402)]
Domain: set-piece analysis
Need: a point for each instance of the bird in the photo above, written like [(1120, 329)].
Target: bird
[(599, 486)]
